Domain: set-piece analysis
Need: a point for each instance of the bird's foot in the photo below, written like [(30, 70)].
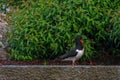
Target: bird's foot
[(73, 64)]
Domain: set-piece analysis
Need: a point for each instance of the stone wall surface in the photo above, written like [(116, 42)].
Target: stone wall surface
[(3, 25), (59, 72), (3, 54), (3, 30)]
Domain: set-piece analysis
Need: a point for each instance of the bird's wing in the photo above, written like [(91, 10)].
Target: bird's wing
[(72, 53)]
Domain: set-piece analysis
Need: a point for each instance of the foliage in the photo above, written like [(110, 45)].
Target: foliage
[(47, 28)]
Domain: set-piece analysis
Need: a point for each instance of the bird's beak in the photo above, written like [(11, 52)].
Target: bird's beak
[(81, 41)]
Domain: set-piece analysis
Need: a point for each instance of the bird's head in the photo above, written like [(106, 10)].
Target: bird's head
[(79, 40)]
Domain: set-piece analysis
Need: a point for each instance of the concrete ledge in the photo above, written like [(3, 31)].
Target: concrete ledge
[(39, 72)]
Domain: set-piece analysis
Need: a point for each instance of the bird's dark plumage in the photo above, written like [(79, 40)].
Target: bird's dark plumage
[(69, 54)]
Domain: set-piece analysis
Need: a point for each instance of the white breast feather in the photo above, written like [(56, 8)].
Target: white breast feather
[(79, 54)]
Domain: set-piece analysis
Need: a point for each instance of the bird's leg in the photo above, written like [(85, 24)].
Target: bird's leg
[(73, 63)]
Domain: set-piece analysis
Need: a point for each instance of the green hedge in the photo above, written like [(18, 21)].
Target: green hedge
[(44, 29)]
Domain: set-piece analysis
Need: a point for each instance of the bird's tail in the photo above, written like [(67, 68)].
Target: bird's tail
[(57, 59)]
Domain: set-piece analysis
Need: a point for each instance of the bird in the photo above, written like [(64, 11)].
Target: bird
[(74, 54)]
